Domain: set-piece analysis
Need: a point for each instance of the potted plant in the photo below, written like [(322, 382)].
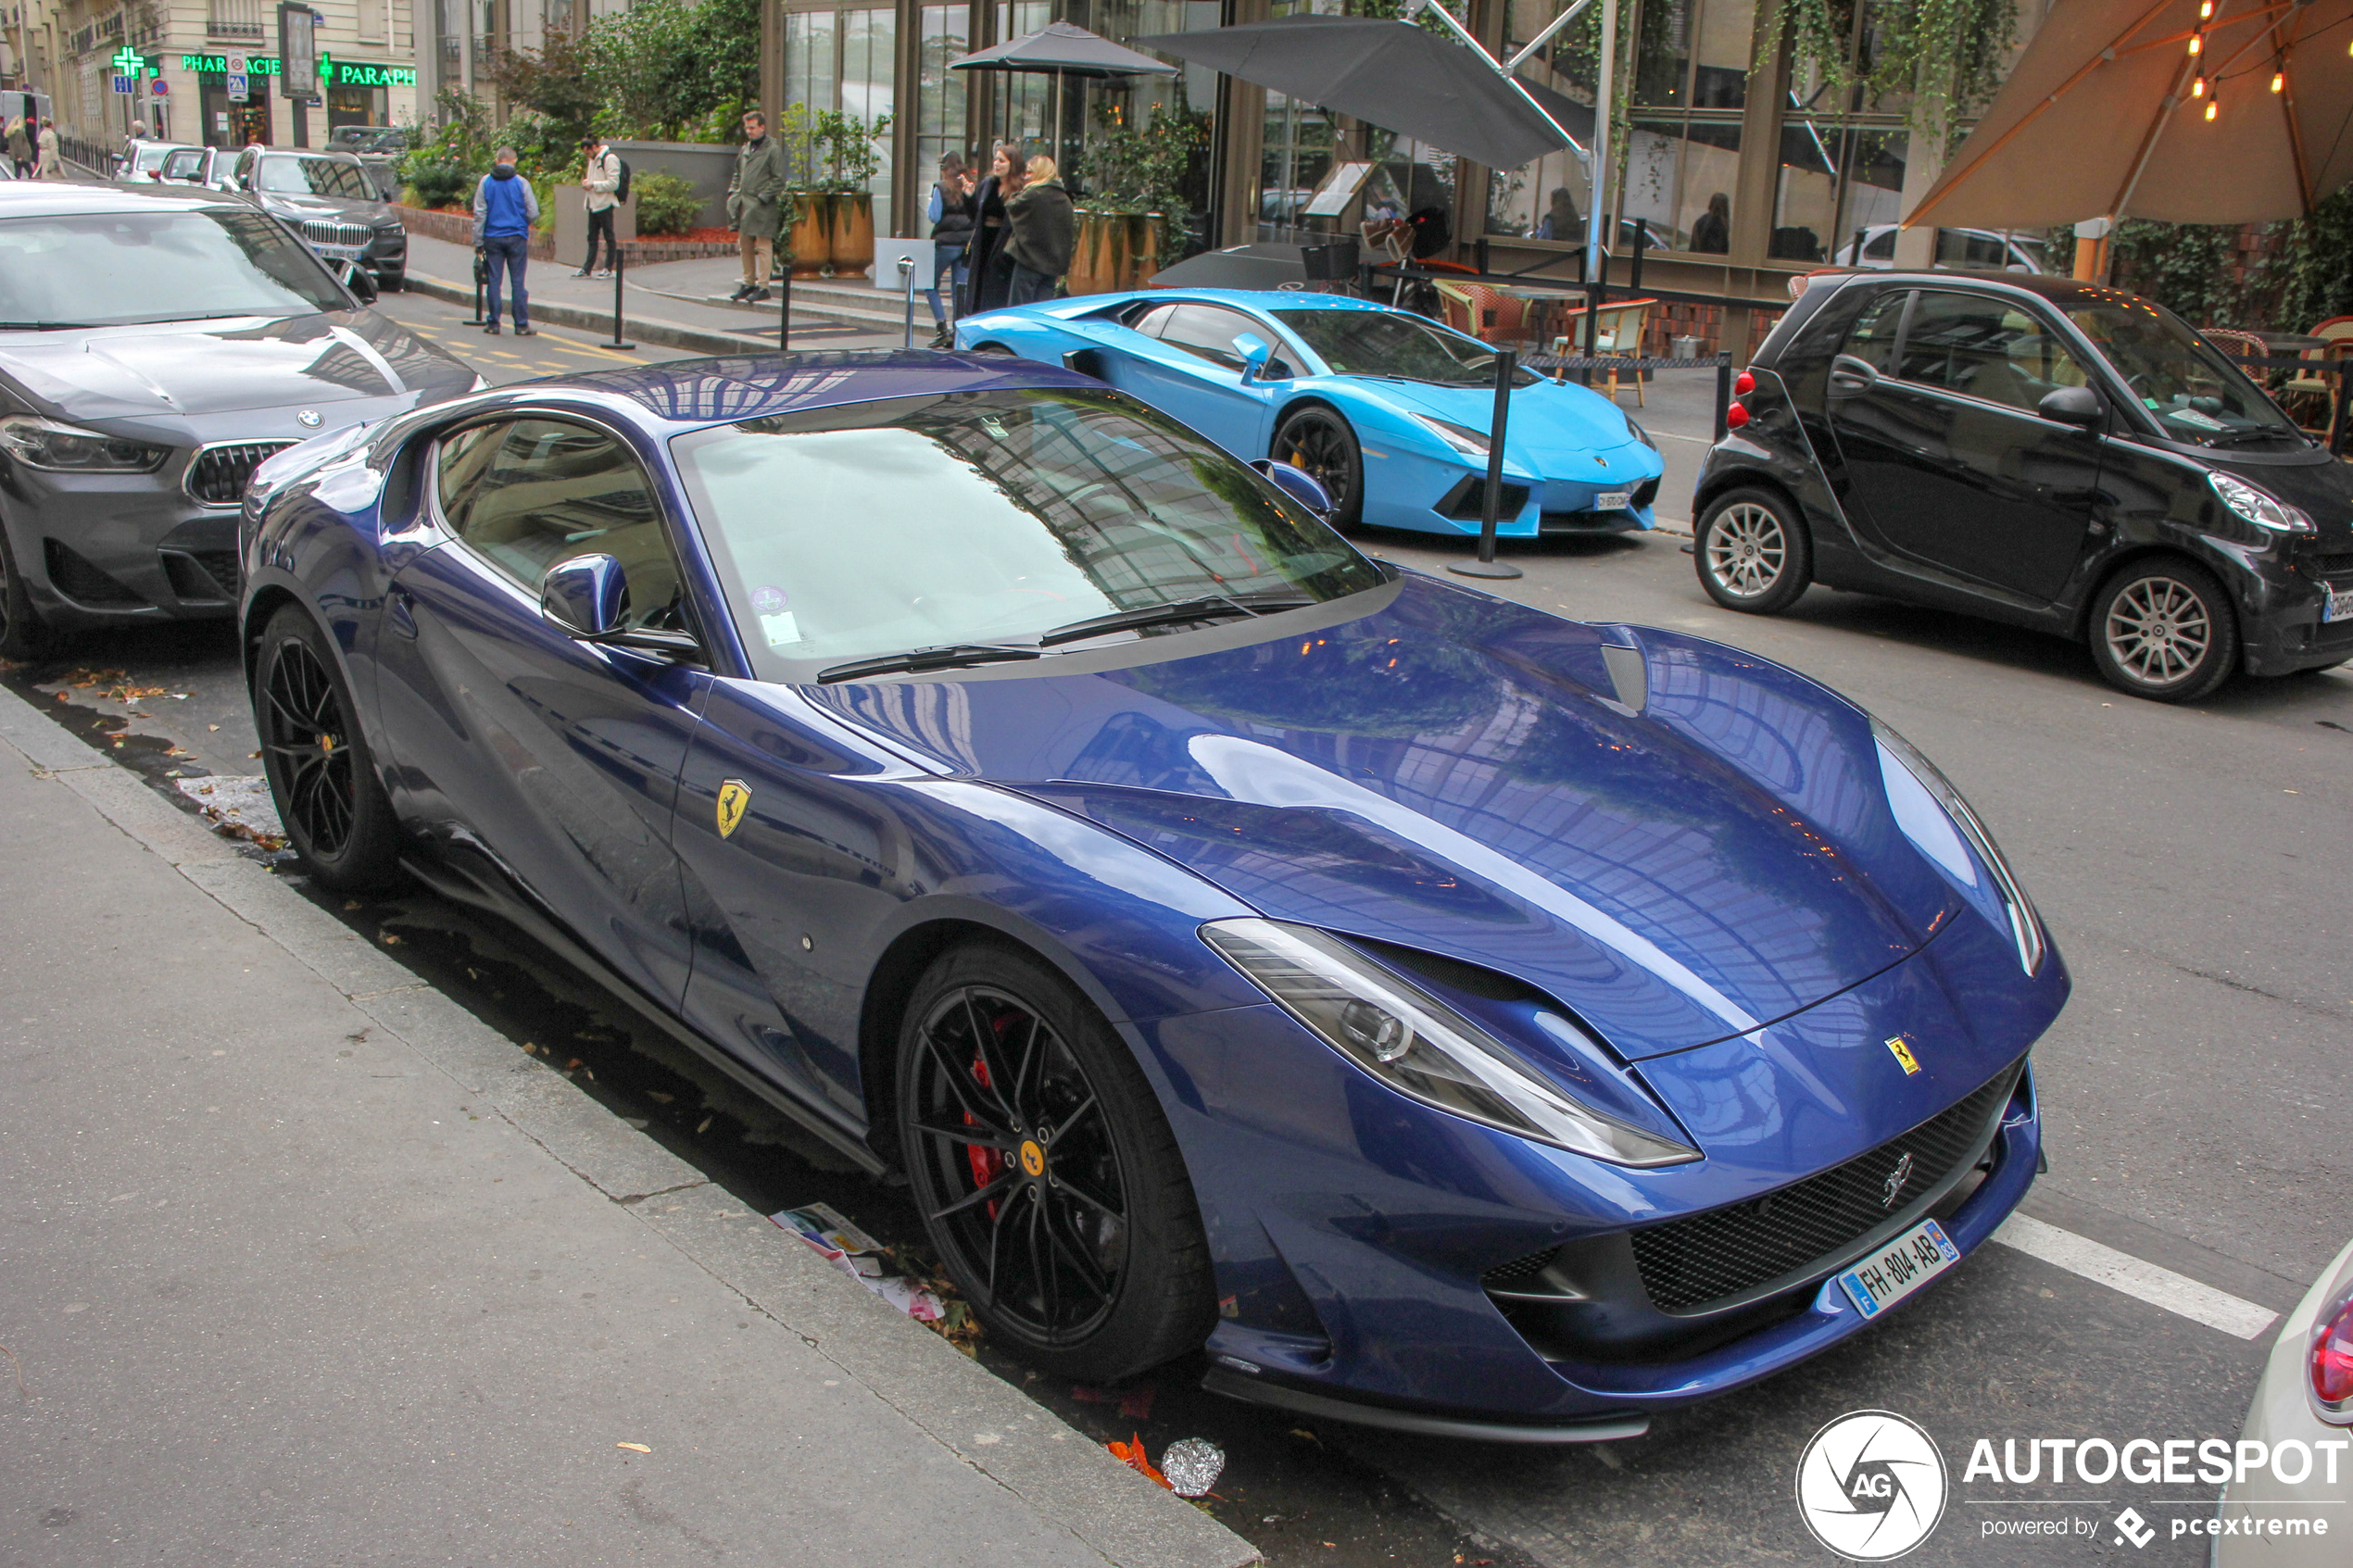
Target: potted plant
[(830, 212), (1135, 180)]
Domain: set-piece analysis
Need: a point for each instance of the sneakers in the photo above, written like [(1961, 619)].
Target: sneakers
[(756, 295), (526, 332), (603, 272), (583, 272), (492, 328), (944, 338)]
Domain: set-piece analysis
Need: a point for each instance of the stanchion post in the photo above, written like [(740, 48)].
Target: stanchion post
[(620, 266), (2336, 420), (1723, 392), (784, 312), (907, 281), (1492, 498), (482, 277)]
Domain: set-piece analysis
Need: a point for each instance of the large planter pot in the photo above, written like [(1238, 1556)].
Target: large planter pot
[(852, 246), (811, 234), (1116, 251)]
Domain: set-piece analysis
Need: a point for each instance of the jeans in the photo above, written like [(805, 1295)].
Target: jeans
[(1030, 287), (508, 253), (601, 223), (948, 262)]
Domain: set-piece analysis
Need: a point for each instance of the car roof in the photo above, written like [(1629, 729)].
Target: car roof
[(735, 387), (48, 198), (1264, 299), (2058, 289)]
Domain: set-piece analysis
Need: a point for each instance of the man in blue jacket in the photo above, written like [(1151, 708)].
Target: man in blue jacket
[(505, 208)]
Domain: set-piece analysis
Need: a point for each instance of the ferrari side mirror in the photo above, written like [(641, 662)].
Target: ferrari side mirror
[(585, 596), (1297, 484)]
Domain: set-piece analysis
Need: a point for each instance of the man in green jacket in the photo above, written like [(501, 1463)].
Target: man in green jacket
[(754, 197)]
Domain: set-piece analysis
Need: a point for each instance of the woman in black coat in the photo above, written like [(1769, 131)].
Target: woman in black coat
[(989, 270)]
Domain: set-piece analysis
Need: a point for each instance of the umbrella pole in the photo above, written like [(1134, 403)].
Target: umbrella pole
[(1597, 254), (1491, 497)]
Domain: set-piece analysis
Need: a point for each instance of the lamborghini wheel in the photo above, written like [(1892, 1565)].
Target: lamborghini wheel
[(1319, 441)]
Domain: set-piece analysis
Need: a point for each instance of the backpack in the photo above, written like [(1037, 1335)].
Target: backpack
[(621, 192)]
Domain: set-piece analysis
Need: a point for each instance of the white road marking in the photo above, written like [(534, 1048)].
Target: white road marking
[(2122, 1270)]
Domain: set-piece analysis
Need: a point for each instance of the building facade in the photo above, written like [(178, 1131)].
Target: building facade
[(173, 56)]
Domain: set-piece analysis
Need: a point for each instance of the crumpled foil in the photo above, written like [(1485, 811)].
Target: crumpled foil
[(1192, 1466)]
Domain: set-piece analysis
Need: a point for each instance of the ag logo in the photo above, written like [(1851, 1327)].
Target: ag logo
[(1871, 1486), (734, 795)]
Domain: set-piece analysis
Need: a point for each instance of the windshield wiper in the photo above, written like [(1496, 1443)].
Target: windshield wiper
[(2239, 437), (1207, 609), (950, 656)]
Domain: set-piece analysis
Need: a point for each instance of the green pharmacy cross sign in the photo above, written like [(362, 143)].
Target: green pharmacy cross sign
[(129, 62)]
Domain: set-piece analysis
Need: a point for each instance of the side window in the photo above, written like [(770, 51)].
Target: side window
[(1148, 319), (527, 493), (1209, 331), (1986, 348), (1872, 338), (243, 175), (1882, 247)]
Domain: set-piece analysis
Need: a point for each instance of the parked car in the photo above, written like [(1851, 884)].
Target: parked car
[(1978, 249), (1456, 1017), (2038, 451), (1389, 410), (2304, 1399), (153, 347), (328, 199), (145, 164), (368, 139)]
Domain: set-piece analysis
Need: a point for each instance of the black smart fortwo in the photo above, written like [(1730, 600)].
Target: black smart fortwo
[(2038, 451)]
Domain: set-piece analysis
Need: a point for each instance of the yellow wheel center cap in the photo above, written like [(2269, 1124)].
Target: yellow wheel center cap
[(1033, 1157), (327, 744)]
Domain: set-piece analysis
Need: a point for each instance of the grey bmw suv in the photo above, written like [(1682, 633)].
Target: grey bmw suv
[(156, 346)]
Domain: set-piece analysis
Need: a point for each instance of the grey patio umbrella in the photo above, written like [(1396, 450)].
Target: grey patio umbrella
[(1064, 50), (1392, 74)]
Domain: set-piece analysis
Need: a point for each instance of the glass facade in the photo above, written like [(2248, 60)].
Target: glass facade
[(845, 58)]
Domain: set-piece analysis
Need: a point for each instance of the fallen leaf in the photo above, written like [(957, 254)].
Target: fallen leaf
[(633, 1448), (1131, 1454)]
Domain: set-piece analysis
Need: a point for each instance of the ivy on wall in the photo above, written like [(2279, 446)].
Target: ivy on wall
[(2285, 277), (1945, 55)]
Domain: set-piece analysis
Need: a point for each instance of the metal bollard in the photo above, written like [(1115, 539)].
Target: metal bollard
[(620, 266), (1492, 500), (784, 313), (907, 279), (482, 277), (1723, 392)]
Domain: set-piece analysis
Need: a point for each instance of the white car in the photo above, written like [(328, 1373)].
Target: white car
[(1984, 249), (2305, 1400), (145, 164)]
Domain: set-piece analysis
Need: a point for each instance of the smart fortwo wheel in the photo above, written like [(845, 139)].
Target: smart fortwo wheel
[(2164, 630), (1320, 442), (322, 777), (1046, 1176), (1752, 552)]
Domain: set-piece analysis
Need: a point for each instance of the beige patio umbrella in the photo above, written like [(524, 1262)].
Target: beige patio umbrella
[(2189, 111)]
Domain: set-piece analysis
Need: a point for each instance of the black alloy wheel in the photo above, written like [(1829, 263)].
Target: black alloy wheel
[(1752, 552), (2164, 630), (1319, 441), (1048, 1179), (321, 779), (24, 636)]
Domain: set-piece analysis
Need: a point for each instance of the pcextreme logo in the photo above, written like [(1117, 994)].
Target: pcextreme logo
[(1871, 1486)]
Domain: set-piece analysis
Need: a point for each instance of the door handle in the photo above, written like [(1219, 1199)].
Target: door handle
[(400, 609), (1850, 375)]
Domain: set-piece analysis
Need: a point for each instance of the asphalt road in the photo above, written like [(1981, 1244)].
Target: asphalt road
[(2189, 863)]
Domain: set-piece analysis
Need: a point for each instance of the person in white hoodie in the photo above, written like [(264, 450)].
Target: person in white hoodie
[(601, 180)]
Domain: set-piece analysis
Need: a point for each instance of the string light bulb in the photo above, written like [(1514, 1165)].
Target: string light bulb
[(2197, 87), (2210, 106), (2279, 81), (2205, 9), (2197, 41)]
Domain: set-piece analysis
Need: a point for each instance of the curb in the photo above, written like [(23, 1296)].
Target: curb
[(641, 329), (1057, 1471)]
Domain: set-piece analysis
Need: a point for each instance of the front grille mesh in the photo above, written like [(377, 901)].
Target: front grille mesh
[(1691, 1262), (325, 231), (2336, 565), (218, 474), (1519, 1271)]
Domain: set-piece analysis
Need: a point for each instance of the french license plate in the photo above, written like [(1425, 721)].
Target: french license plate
[(1899, 1268), (2340, 605), (1622, 500)]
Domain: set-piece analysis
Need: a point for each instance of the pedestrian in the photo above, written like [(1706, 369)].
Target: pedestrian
[(601, 180), (1043, 228), (130, 142), (988, 269), (505, 208), (951, 213), (1712, 234), (754, 197), (51, 166), (1561, 222), (19, 148)]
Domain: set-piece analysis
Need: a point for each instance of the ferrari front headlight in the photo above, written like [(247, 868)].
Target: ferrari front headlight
[(1421, 1048)]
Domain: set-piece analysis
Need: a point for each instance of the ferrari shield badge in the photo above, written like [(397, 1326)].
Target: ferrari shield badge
[(734, 797), (1901, 1046)]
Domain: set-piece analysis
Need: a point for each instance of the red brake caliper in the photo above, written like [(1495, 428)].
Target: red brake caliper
[(987, 1163)]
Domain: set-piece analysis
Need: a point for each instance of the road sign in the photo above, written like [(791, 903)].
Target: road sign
[(125, 83), (159, 87), (236, 85)]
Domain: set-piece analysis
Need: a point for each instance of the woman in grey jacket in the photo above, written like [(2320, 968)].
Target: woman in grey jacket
[(1043, 227)]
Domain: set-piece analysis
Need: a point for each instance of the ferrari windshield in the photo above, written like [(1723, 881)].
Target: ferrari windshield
[(2197, 395), (315, 177), (998, 517), (1382, 342), (168, 264)]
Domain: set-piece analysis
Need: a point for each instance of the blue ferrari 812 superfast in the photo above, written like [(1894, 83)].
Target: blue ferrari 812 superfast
[(1437, 1014)]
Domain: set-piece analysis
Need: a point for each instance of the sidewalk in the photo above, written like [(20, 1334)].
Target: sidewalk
[(668, 304), (306, 1265)]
